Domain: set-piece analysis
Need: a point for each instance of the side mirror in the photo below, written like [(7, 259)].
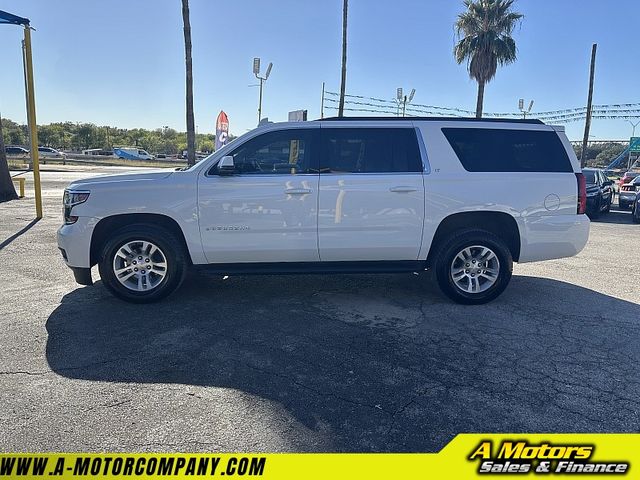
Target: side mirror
[(226, 166)]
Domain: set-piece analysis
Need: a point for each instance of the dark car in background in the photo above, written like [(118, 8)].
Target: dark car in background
[(599, 191), (12, 150), (630, 197)]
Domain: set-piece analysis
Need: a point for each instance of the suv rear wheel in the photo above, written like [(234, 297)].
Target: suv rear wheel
[(473, 266), (142, 263)]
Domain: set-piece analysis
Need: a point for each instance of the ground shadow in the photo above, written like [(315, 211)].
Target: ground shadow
[(378, 363), (615, 215), (19, 232)]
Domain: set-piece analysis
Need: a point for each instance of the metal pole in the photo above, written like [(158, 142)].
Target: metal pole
[(322, 103), (587, 124), (404, 105), (633, 134), (33, 129), (260, 103)]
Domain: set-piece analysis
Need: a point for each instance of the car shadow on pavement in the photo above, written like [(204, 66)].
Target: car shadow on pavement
[(373, 362), (614, 216)]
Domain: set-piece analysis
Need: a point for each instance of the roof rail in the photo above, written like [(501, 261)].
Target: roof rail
[(434, 119)]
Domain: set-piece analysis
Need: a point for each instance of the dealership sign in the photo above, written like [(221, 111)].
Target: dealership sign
[(222, 130)]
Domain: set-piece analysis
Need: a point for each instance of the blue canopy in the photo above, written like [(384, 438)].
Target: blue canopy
[(6, 17)]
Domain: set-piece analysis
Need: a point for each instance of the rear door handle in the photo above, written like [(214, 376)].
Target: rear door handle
[(297, 191), (403, 189)]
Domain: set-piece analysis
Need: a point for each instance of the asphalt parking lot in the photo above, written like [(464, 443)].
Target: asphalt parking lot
[(311, 363)]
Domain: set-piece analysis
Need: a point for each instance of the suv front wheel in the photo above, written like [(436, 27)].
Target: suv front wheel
[(142, 263), (473, 266)]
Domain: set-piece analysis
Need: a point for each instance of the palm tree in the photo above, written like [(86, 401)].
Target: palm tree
[(191, 133), (343, 80), (7, 190), (484, 31)]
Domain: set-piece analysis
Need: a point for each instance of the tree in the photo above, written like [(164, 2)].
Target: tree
[(7, 190), (343, 79), (484, 31), (191, 132)]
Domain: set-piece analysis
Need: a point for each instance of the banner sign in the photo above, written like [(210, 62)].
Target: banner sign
[(466, 456), (222, 130)]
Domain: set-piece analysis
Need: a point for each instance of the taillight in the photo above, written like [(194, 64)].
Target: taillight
[(582, 193)]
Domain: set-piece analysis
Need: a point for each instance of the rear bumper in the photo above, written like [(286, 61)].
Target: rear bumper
[(626, 198), (553, 236)]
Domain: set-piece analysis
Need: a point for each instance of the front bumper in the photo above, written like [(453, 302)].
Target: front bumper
[(75, 241)]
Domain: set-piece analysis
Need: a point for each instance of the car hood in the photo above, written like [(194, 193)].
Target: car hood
[(147, 175)]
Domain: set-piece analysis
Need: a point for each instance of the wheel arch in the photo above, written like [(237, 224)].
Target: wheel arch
[(112, 223), (500, 224)]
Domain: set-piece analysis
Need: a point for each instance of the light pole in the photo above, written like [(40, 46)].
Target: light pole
[(402, 99), (633, 134), (634, 125), (256, 72), (522, 110)]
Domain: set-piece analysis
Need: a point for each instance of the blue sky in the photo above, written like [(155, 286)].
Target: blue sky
[(121, 63)]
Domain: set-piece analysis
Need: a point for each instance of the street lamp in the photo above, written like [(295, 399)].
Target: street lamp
[(402, 99), (633, 134), (522, 110), (256, 72)]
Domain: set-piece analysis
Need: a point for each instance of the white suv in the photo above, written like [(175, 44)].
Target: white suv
[(464, 197)]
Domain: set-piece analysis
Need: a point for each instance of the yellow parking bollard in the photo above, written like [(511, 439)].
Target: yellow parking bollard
[(20, 184)]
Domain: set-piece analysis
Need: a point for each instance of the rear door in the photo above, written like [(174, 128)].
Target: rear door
[(371, 200)]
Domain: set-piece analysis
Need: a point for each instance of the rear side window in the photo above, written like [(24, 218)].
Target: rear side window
[(370, 150), (501, 150)]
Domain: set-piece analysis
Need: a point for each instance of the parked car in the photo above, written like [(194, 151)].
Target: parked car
[(627, 194), (11, 150), (599, 191), (48, 152), (464, 197), (635, 212)]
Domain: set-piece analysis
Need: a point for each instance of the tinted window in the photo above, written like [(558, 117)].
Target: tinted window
[(370, 150), (282, 152), (500, 150), (590, 176)]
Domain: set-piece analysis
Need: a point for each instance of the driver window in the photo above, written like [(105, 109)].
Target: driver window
[(283, 152)]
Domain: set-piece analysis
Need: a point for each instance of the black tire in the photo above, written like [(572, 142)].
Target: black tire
[(458, 241), (172, 249)]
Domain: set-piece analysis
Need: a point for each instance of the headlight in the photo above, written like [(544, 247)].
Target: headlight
[(72, 198)]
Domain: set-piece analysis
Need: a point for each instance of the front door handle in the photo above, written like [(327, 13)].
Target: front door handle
[(297, 191), (403, 189)]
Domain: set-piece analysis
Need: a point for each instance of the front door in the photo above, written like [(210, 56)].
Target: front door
[(371, 204), (267, 210)]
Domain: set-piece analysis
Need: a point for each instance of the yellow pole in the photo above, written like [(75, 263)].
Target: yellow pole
[(33, 129)]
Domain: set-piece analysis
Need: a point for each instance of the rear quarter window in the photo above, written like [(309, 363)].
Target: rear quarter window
[(504, 150)]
